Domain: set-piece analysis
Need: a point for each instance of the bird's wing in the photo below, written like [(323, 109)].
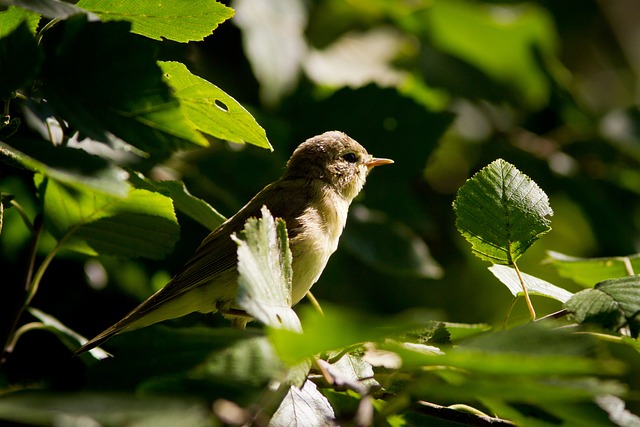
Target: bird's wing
[(216, 255)]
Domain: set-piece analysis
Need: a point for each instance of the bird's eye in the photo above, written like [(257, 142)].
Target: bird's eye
[(350, 157)]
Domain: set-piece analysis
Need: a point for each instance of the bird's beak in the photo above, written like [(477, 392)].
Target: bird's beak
[(377, 162)]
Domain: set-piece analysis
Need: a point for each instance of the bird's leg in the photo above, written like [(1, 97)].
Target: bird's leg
[(239, 318)]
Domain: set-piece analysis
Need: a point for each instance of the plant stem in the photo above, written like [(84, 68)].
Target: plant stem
[(32, 284), (314, 302), (526, 293), (23, 215), (628, 266)]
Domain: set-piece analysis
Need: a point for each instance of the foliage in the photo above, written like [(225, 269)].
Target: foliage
[(115, 148)]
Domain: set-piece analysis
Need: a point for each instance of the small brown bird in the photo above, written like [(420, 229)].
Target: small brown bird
[(322, 177)]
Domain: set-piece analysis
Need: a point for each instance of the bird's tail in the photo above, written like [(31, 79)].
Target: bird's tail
[(99, 339)]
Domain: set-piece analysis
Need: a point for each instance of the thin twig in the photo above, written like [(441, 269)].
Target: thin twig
[(628, 266), (524, 290), (314, 302), (457, 416)]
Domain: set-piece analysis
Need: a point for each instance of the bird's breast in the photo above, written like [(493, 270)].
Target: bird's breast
[(320, 228)]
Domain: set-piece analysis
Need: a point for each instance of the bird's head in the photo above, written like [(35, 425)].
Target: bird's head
[(335, 158)]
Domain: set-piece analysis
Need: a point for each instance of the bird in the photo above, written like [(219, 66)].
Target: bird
[(322, 177)]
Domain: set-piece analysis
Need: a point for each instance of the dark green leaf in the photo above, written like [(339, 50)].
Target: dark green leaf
[(589, 271), (21, 58), (69, 337), (143, 224), (71, 166), (172, 19), (184, 201), (501, 212), (211, 110), (103, 409), (264, 265), (124, 95), (612, 304), (530, 389), (250, 361)]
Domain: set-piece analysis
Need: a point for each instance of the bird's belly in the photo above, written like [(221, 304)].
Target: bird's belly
[(309, 260)]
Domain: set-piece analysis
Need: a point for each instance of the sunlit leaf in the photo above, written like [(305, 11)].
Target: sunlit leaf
[(211, 110), (143, 224), (124, 96), (535, 286), (171, 19), (339, 328), (264, 265), (11, 18), (589, 271), (501, 212), (304, 406)]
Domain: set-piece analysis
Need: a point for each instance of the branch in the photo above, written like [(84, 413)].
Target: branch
[(457, 416)]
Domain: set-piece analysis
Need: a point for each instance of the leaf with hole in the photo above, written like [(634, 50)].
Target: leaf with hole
[(210, 109), (124, 96)]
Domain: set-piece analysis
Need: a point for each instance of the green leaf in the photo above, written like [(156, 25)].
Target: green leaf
[(176, 351), (501, 212), (304, 406), (71, 166), (535, 286), (70, 338), (21, 58), (175, 20), (211, 110), (141, 225), (250, 361), (185, 202), (36, 408), (124, 96), (11, 18), (264, 265), (338, 328), (612, 304), (589, 271)]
